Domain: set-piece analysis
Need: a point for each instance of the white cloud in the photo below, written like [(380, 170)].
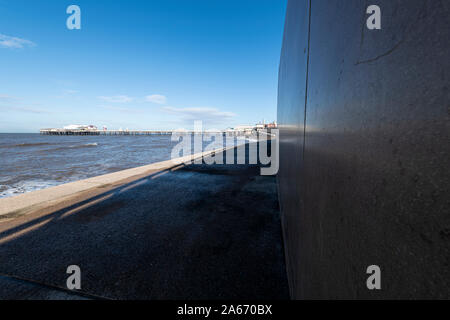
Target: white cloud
[(156, 98), (211, 115), (30, 110), (116, 99), (69, 91), (124, 110), (16, 104), (14, 43), (24, 109)]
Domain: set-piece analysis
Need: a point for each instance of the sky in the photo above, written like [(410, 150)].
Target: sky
[(155, 64)]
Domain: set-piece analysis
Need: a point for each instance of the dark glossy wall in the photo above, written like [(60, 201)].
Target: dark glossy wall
[(364, 148)]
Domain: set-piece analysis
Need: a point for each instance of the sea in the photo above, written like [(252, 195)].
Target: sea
[(31, 162)]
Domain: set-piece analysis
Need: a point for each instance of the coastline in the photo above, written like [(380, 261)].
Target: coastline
[(187, 230), (73, 192)]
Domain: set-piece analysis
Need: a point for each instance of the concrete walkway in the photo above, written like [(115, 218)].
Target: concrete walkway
[(193, 232)]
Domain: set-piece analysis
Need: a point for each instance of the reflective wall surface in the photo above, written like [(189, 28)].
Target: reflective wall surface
[(364, 148)]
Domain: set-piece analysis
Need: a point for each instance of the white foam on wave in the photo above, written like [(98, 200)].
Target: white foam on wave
[(92, 144), (26, 186)]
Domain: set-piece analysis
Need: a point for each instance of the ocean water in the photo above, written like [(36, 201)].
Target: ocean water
[(31, 161)]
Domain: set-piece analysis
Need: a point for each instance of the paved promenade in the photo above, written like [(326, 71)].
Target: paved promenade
[(189, 232)]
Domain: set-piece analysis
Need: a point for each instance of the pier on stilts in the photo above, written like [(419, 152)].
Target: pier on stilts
[(80, 132)]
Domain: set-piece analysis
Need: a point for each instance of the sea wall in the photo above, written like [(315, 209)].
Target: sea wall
[(64, 194), (364, 124)]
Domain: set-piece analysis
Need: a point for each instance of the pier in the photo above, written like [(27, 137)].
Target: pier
[(78, 132)]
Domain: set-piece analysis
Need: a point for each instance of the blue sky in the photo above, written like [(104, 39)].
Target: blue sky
[(139, 64)]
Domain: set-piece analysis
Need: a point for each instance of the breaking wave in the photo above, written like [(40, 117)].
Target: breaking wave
[(87, 145), (24, 145)]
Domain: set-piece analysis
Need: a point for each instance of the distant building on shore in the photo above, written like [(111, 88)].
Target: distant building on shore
[(272, 125), (251, 128)]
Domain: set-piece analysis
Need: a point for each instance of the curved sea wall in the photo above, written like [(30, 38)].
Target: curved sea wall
[(364, 122)]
